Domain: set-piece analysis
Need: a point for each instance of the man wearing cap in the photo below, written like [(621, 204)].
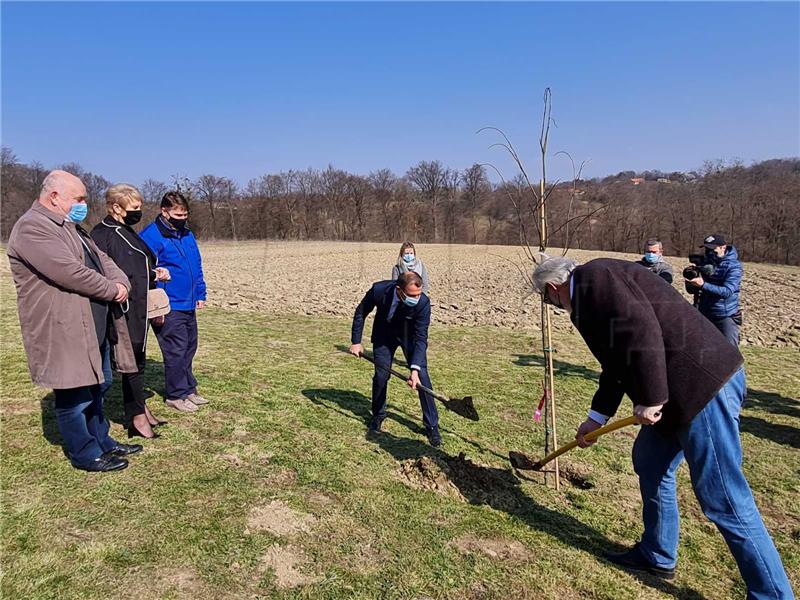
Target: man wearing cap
[(719, 292)]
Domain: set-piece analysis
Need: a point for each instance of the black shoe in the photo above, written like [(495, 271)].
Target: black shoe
[(159, 423), (633, 560), (125, 450), (434, 437), (103, 464), (375, 426), (133, 432)]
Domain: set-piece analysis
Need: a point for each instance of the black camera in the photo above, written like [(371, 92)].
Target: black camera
[(700, 267)]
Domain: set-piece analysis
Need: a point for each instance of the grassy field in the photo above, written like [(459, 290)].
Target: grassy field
[(273, 490)]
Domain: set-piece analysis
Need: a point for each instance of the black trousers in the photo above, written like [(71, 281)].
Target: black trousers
[(133, 388), (132, 383)]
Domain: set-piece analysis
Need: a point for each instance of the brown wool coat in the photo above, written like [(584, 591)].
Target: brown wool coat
[(53, 290)]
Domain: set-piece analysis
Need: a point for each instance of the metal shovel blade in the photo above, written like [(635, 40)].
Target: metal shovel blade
[(522, 461), (463, 407)]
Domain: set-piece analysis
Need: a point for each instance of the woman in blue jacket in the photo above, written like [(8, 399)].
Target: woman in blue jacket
[(176, 248)]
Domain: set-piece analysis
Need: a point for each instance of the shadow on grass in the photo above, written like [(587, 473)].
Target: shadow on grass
[(481, 485), (112, 406), (357, 406), (561, 367), (774, 432), (772, 403)]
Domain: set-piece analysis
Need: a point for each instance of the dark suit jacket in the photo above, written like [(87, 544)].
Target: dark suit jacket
[(651, 343), (408, 327)]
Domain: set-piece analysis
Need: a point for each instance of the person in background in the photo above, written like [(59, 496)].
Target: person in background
[(653, 259), (64, 287), (408, 261), (175, 247), (719, 292), (115, 236), (687, 385), (402, 319)]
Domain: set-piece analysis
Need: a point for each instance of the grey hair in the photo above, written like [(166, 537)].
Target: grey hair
[(554, 270), (653, 242)]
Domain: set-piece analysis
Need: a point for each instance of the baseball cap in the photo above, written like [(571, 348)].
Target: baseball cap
[(714, 240)]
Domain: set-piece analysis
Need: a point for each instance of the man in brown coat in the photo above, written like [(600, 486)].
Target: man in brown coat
[(64, 285)]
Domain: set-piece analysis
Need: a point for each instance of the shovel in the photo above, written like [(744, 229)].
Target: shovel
[(463, 407), (524, 463)]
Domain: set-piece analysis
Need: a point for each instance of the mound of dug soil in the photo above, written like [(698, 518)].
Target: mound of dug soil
[(461, 478)]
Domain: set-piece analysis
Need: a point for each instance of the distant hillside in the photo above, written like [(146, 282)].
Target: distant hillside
[(756, 206)]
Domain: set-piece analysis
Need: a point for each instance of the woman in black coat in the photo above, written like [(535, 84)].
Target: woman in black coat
[(115, 236)]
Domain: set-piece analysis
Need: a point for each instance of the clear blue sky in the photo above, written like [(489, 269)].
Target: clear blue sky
[(136, 90)]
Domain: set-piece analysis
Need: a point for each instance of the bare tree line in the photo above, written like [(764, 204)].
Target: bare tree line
[(756, 206)]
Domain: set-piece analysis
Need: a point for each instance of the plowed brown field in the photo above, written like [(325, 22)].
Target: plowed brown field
[(470, 285)]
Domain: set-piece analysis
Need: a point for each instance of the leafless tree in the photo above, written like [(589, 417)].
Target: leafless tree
[(153, 191), (210, 189), (475, 187), (430, 180)]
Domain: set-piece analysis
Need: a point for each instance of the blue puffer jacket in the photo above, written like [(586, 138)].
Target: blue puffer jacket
[(720, 295), (178, 252)]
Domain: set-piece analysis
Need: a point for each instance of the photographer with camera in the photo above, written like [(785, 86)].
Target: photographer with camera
[(714, 280)]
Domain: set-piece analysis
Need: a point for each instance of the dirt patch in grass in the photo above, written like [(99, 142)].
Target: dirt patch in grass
[(461, 478), (495, 548), (288, 563), (232, 459), (280, 477), (184, 580), (578, 476), (279, 519)]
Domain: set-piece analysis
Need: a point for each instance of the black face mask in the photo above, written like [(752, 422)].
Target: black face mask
[(132, 217), (178, 224)]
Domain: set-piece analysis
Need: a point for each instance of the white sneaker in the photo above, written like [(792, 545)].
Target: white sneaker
[(197, 399), (182, 405)]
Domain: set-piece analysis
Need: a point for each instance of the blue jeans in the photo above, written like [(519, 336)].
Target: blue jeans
[(729, 329), (84, 429), (177, 338), (108, 375), (383, 361), (711, 446)]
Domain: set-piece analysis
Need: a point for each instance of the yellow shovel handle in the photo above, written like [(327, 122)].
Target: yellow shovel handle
[(588, 437)]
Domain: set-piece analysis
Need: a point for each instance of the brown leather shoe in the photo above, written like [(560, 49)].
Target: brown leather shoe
[(182, 405), (197, 399)]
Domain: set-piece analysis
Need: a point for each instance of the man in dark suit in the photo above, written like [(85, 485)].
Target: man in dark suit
[(402, 319), (687, 386)]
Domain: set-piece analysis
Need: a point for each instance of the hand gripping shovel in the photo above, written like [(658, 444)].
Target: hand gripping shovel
[(524, 463), (463, 407)]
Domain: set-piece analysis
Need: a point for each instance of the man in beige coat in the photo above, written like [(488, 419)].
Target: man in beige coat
[(64, 287)]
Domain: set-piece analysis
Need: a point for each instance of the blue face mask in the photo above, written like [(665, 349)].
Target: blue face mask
[(409, 301), (651, 258), (78, 212), (408, 258)]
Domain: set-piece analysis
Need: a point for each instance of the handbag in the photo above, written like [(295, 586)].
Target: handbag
[(157, 303)]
